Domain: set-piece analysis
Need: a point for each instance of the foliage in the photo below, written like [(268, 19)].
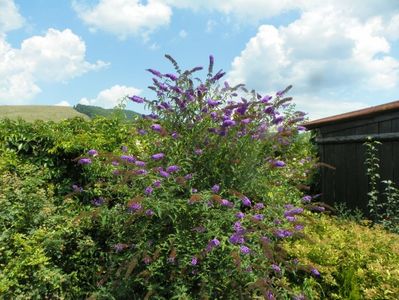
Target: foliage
[(383, 206), (355, 261), (200, 199), (204, 205)]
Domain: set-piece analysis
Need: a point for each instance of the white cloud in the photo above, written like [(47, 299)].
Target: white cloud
[(55, 57), (318, 107), (10, 18), (63, 103), (325, 50), (111, 97), (125, 17), (255, 10)]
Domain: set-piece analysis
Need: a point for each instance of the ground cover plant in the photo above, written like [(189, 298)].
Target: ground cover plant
[(205, 197)]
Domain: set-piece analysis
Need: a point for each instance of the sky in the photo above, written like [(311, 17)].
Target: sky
[(339, 55)]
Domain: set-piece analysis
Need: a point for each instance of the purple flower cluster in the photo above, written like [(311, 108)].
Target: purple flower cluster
[(212, 244), (282, 233), (134, 207), (84, 161), (215, 188), (92, 152), (98, 201)]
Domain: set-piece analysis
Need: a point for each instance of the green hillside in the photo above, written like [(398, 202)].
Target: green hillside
[(93, 111), (39, 112)]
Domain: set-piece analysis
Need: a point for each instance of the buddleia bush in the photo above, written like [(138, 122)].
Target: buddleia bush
[(201, 209)]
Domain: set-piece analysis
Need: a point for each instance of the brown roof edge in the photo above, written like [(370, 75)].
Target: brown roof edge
[(353, 115)]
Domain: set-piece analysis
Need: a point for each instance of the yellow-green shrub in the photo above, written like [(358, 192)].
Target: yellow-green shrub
[(355, 261)]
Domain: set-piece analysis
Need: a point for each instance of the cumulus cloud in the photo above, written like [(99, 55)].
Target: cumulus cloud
[(63, 103), (10, 18), (125, 17), (318, 107), (325, 50), (111, 97), (56, 56), (255, 10)]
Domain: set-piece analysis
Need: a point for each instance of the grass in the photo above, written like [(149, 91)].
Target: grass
[(31, 113)]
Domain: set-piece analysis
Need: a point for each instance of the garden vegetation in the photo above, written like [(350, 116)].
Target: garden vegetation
[(204, 198)]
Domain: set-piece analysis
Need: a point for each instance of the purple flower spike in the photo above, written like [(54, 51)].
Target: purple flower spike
[(315, 272), (124, 149), (128, 158), (98, 202), (306, 199), (136, 99), (246, 201), (282, 233), (84, 161), (142, 131), (140, 163), (258, 217), (155, 72), (171, 76), (92, 152), (218, 75), (215, 188), (156, 183), (212, 103), (240, 215), (148, 190), (141, 172), (236, 239), (293, 211), (276, 268), (228, 123), (226, 203), (214, 115), (278, 163), (164, 173), (149, 212), (188, 176), (278, 120), (301, 128), (259, 206), (215, 242), (134, 207), (194, 261), (246, 121), (158, 156), (266, 99), (175, 135), (245, 250), (156, 127), (172, 169)]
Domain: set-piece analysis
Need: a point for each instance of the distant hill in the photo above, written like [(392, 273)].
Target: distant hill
[(93, 111), (39, 112)]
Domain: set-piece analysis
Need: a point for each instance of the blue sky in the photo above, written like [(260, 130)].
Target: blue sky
[(339, 55)]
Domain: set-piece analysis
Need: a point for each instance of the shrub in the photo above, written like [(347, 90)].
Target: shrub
[(202, 211), (355, 261)]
